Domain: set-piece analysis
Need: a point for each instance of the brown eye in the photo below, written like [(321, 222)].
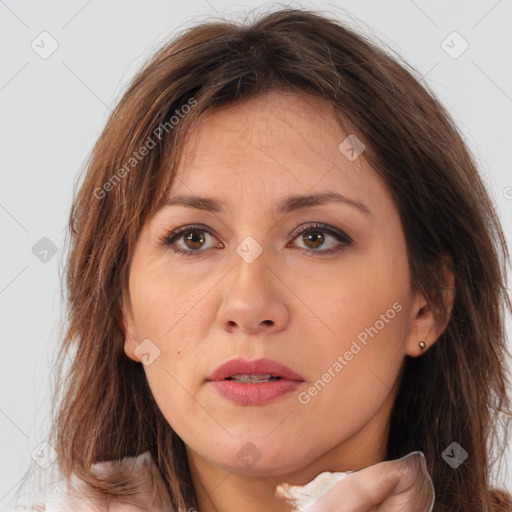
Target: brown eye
[(316, 237), (194, 239), (313, 239), (189, 240)]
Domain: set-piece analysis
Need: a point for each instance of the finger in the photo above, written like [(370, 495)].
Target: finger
[(401, 482), (414, 491), (360, 491)]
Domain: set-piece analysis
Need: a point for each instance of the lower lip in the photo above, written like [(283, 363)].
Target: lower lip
[(255, 394)]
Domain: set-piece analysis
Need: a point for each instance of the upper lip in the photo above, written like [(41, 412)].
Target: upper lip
[(256, 366)]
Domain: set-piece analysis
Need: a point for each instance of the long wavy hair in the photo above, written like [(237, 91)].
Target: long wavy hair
[(456, 391)]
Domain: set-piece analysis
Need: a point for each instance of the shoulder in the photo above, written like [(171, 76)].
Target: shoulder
[(76, 496)]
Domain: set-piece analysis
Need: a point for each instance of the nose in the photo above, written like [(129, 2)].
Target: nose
[(253, 298)]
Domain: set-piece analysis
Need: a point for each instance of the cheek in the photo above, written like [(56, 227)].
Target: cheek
[(364, 320), (169, 310), (365, 355), (174, 322), (352, 296), (353, 380), (173, 398)]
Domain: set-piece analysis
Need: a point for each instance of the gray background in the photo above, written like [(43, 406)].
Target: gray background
[(52, 111)]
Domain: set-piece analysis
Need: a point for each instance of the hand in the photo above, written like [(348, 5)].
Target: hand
[(399, 485)]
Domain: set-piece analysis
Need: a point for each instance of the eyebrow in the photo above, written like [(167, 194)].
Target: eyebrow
[(286, 205)]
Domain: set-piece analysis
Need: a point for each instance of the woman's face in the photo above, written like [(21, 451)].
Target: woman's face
[(333, 303)]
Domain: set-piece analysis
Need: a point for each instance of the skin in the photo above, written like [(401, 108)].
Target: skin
[(302, 309)]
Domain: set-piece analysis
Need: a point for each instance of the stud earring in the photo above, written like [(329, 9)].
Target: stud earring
[(422, 345)]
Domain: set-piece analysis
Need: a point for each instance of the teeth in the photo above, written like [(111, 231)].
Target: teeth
[(252, 378)]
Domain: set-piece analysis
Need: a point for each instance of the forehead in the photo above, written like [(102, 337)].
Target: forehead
[(275, 124), (270, 146)]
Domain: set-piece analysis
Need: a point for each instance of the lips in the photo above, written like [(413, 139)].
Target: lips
[(254, 383), (257, 367)]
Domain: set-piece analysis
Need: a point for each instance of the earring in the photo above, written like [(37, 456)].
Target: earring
[(422, 345)]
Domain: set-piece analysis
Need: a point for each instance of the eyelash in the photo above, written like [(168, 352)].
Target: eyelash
[(345, 240)]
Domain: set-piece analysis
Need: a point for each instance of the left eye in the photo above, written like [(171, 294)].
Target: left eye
[(315, 236), (312, 236)]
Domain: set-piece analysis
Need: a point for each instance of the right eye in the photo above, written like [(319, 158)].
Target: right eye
[(191, 237)]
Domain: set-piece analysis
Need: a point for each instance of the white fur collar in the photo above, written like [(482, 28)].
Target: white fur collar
[(78, 497)]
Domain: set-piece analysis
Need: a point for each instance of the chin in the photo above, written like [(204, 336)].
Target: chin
[(259, 457)]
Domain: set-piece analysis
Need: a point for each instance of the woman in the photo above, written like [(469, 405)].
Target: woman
[(283, 263)]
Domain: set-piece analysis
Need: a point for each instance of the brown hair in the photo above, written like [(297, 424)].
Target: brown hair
[(456, 391)]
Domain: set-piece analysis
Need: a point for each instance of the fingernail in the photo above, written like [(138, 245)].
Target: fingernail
[(423, 461), (416, 453)]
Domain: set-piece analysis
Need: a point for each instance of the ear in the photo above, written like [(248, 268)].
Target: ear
[(126, 323), (424, 325)]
